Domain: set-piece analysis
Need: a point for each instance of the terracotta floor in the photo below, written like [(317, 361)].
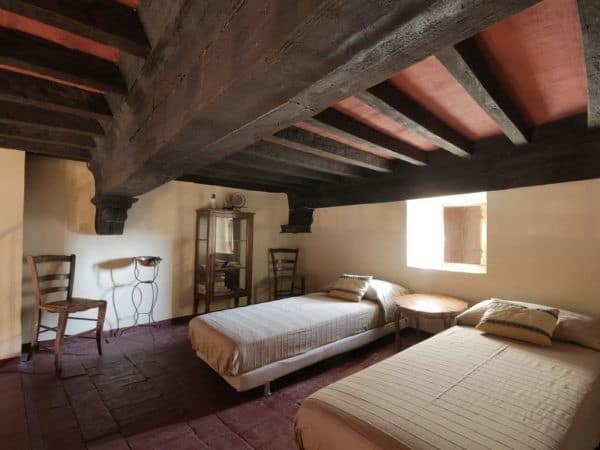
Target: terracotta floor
[(149, 391)]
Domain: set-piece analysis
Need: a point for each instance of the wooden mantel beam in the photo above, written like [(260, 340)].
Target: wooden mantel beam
[(559, 152), (465, 62), (352, 130), (393, 103), (288, 66), (56, 150), (589, 18), (105, 21), (30, 53)]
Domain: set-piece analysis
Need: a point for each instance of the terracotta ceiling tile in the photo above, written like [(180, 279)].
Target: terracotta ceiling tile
[(538, 58)]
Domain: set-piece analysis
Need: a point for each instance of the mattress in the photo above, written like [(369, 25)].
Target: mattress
[(461, 389), (239, 340)]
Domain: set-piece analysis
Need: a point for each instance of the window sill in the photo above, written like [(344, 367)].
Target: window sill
[(453, 267)]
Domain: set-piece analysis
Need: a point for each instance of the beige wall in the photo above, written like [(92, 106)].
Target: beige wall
[(543, 246), (12, 165), (59, 219)]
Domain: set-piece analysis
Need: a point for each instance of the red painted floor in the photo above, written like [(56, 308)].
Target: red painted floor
[(149, 391)]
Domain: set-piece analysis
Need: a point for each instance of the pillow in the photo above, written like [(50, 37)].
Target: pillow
[(384, 291), (350, 287), (571, 327), (530, 324), (579, 329)]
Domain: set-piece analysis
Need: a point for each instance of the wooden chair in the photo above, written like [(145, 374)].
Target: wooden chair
[(284, 262), (63, 307)]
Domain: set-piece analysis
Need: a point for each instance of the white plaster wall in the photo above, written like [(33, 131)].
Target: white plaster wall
[(543, 246), (12, 167), (59, 219)]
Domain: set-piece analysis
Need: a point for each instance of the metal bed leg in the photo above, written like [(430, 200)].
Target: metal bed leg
[(267, 387)]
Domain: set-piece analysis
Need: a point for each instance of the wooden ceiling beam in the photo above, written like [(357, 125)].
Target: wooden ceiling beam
[(589, 18), (559, 152), (275, 152), (298, 62), (216, 181), (33, 134), (362, 135), (30, 53), (14, 113), (46, 149), (467, 65), (313, 144), (45, 94), (393, 103), (255, 162), (259, 174), (246, 177), (105, 21)]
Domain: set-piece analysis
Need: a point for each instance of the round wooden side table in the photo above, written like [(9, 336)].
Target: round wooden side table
[(427, 305)]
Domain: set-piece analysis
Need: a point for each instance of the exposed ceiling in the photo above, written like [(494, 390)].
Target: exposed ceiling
[(332, 104)]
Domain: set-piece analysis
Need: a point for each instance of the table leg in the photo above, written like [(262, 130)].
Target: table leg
[(417, 327), (398, 341)]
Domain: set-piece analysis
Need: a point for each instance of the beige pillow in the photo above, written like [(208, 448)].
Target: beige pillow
[(572, 327), (530, 324), (384, 291), (350, 287)]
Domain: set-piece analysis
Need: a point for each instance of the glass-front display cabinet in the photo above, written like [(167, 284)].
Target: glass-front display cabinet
[(223, 267)]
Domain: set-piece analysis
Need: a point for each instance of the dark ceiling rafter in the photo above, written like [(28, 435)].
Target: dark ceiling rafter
[(216, 181), (285, 155), (14, 113), (26, 52), (362, 135), (280, 77), (33, 134), (254, 162), (47, 149), (561, 151), (238, 177), (261, 174), (393, 103), (467, 65), (106, 21), (313, 144), (33, 91), (589, 18)]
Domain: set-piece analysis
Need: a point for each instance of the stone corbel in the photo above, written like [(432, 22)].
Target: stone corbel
[(299, 220), (111, 213)]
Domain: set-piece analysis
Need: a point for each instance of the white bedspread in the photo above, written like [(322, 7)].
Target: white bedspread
[(238, 340), (461, 389)]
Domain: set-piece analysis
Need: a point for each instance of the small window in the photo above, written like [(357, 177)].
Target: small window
[(448, 233)]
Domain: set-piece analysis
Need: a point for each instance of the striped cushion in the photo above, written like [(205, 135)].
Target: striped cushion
[(350, 287), (530, 324)]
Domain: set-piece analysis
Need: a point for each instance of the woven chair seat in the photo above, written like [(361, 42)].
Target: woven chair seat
[(75, 305)]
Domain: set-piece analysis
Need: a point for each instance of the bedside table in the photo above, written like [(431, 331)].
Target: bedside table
[(427, 305)]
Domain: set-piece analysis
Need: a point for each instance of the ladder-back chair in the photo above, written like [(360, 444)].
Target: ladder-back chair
[(45, 284), (284, 262)]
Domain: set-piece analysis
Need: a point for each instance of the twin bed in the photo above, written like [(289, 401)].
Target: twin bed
[(459, 389)]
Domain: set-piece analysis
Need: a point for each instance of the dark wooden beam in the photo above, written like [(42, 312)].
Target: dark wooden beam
[(589, 18), (45, 94), (466, 63), (105, 21), (296, 63), (393, 103), (255, 162), (357, 132), (46, 149), (13, 113), (260, 174), (33, 54), (225, 174), (313, 144), (559, 152), (33, 134), (215, 181), (275, 152)]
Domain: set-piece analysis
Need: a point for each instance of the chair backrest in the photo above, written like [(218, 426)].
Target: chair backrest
[(40, 291), (284, 262)]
